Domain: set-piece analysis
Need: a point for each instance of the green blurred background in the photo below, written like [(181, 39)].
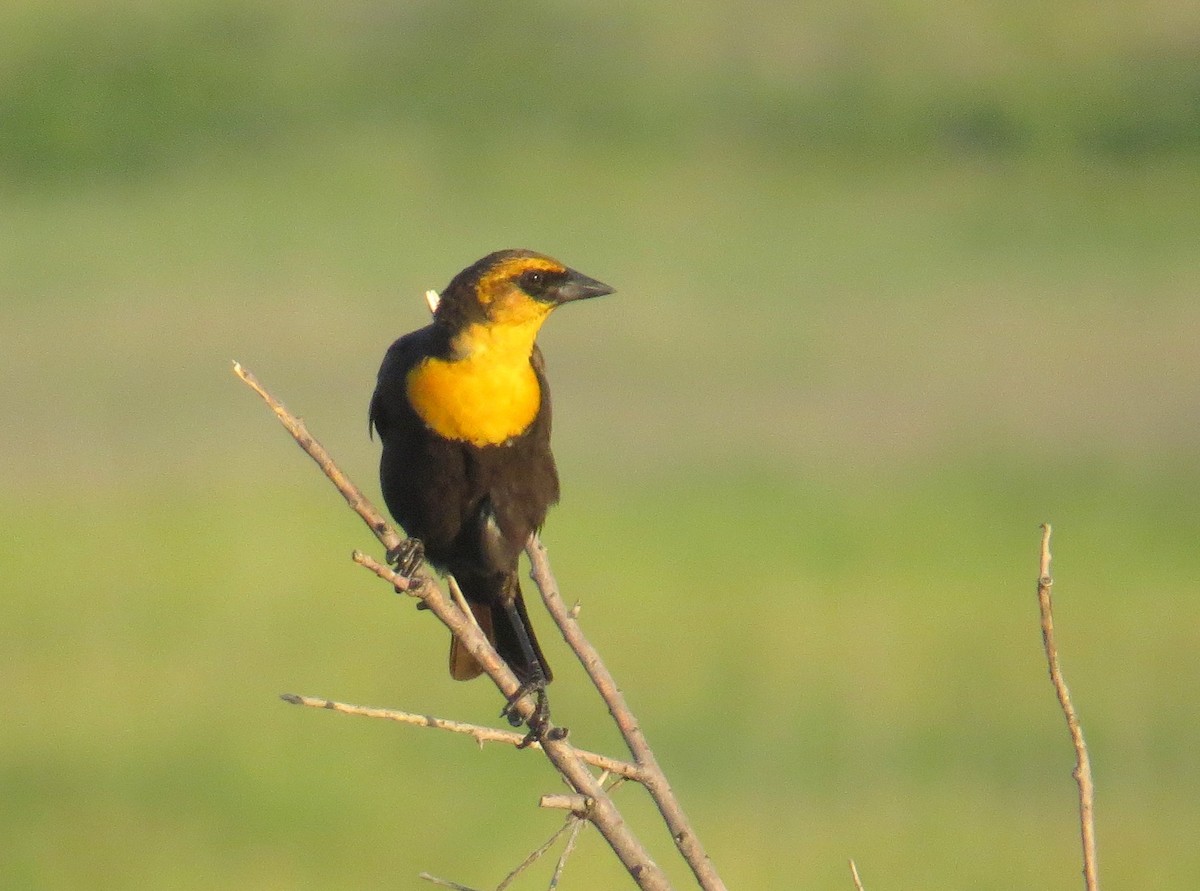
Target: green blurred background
[(896, 284)]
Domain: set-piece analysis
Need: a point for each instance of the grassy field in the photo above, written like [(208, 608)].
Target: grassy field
[(876, 320)]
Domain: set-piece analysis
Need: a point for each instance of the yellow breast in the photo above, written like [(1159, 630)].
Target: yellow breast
[(488, 396)]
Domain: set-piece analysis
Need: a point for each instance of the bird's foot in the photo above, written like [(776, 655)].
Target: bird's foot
[(536, 685), (538, 722), (407, 557)]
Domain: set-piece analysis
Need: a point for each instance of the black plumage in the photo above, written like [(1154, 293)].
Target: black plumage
[(444, 396)]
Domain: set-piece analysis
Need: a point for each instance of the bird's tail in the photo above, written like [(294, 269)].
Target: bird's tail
[(499, 609)]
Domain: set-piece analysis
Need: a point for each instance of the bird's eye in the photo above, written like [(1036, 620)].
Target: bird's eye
[(533, 282)]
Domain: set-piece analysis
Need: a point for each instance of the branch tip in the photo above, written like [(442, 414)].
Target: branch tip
[(858, 885), (576, 804), (1083, 766)]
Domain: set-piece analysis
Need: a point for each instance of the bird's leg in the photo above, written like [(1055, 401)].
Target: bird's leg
[(539, 721), (407, 557)]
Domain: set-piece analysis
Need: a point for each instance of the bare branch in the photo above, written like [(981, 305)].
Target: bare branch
[(576, 804), (576, 828), (655, 780), (603, 814), (536, 855), (461, 624), (1083, 764), (362, 506), (858, 885), (478, 732), (562, 755), (444, 883)]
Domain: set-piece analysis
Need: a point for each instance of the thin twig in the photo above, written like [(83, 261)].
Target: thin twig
[(460, 600), (444, 883), (655, 780), (576, 804), (604, 814), (478, 732), (536, 855), (1083, 764), (362, 506), (568, 849), (858, 885)]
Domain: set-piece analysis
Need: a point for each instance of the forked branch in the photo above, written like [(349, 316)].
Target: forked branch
[(602, 812), (654, 779)]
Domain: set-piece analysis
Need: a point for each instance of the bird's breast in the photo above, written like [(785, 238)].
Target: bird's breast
[(474, 399)]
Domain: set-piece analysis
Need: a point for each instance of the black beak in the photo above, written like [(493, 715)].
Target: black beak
[(578, 286)]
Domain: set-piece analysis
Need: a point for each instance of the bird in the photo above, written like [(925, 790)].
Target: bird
[(462, 409)]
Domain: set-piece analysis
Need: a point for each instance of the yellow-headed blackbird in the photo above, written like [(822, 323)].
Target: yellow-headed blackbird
[(463, 409)]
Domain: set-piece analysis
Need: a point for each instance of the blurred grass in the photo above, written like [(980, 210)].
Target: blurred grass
[(118, 90), (895, 286)]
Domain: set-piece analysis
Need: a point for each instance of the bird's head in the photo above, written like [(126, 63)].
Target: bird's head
[(513, 288)]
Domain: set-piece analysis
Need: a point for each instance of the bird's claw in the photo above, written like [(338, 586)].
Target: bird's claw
[(407, 557), (538, 722), (541, 710)]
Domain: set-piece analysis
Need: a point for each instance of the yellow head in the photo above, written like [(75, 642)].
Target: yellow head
[(513, 288), (486, 391)]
